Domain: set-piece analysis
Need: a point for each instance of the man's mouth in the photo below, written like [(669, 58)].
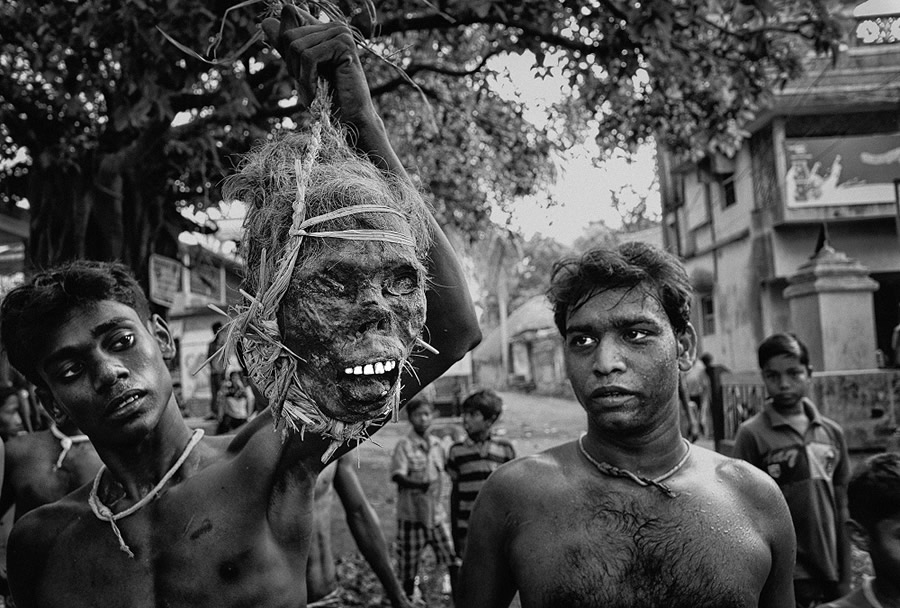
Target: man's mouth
[(124, 402), (611, 392)]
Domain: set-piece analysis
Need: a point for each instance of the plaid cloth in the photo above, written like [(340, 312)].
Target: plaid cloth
[(413, 537)]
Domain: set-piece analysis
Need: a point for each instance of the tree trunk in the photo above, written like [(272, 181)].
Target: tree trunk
[(109, 207)]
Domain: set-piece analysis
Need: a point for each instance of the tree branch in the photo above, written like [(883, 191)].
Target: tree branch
[(415, 68)]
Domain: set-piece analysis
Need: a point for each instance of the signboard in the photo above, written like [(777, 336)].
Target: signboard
[(165, 280), (206, 278), (824, 171)]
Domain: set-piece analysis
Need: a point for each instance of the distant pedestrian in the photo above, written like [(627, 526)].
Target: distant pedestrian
[(418, 468), (696, 383), (216, 366), (806, 454), (472, 460), (714, 372), (873, 498), (236, 400)]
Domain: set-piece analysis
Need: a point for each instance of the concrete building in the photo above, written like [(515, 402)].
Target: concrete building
[(822, 162)]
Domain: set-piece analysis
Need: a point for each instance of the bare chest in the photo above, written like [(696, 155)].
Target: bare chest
[(639, 549), (190, 549)]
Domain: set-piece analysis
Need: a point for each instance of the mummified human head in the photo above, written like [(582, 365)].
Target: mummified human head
[(353, 304)]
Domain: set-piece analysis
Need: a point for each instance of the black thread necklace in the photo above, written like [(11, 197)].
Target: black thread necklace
[(657, 482)]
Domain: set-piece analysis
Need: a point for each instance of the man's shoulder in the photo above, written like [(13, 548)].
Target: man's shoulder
[(753, 484), (533, 470), (48, 521), (23, 448)]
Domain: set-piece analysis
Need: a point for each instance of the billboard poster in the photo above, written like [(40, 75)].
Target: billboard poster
[(206, 278), (825, 171), (165, 280)]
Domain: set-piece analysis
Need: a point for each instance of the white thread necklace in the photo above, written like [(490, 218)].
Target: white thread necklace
[(101, 511), (657, 482), (65, 442)]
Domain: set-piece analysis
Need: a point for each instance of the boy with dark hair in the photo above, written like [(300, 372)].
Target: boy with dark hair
[(177, 519), (417, 468), (873, 499), (630, 513), (806, 454), (471, 461)]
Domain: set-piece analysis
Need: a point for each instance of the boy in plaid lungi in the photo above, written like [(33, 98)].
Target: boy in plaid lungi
[(417, 468)]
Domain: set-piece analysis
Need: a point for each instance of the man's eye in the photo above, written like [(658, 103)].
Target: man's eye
[(122, 342), (580, 341), (636, 334), (69, 371), (402, 284)]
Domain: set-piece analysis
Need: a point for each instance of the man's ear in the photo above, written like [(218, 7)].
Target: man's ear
[(858, 535), (160, 330), (686, 348)]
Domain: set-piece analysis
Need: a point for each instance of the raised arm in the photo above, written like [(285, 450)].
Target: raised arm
[(314, 50)]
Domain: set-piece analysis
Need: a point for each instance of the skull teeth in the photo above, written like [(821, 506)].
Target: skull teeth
[(371, 369)]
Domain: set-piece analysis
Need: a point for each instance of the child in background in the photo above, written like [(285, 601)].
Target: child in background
[(472, 460), (873, 497), (236, 400), (417, 468), (806, 454)]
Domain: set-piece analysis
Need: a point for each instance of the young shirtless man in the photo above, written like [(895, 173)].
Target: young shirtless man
[(339, 479), (180, 520), (630, 514)]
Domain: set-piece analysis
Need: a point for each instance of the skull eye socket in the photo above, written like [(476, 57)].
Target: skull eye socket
[(402, 283), (326, 285)]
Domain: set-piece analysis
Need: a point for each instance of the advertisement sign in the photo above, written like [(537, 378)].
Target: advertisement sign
[(824, 171), (165, 280)]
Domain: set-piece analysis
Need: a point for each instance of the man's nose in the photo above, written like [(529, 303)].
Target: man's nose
[(108, 371), (608, 357)]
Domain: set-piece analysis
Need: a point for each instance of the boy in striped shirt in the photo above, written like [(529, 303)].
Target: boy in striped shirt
[(472, 460)]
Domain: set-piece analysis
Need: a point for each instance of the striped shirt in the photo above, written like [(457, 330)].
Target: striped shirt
[(469, 465)]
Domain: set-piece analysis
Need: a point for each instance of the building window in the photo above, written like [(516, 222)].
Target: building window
[(707, 315), (729, 196)]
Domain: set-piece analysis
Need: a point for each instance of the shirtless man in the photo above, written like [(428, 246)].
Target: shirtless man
[(630, 514), (180, 520), (43, 466), (321, 576)]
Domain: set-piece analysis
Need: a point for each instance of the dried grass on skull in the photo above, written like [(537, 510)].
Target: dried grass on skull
[(278, 198), (339, 178)]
